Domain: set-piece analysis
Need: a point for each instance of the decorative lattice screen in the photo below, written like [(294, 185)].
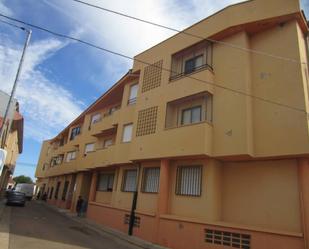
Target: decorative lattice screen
[(152, 76), (147, 121)]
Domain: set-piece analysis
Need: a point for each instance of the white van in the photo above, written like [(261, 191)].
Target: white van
[(26, 188)]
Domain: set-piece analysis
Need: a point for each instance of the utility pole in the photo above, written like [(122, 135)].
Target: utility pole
[(134, 202), (15, 82)]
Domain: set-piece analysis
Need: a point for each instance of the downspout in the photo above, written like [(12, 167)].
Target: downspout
[(134, 202)]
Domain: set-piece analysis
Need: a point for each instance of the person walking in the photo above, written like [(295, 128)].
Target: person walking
[(79, 205)]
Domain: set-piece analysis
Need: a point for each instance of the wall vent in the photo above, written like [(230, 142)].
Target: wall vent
[(147, 121), (152, 76), (137, 220), (224, 238)]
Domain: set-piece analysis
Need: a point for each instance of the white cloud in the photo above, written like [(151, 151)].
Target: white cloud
[(128, 36), (5, 10), (46, 106)]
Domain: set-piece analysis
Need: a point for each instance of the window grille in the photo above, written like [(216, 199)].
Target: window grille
[(57, 190), (224, 238), (129, 180), (65, 190), (137, 220), (151, 178), (51, 192), (106, 182), (189, 180), (147, 121), (152, 76)]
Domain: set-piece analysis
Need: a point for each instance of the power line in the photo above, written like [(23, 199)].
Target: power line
[(191, 34), (13, 25), (150, 64)]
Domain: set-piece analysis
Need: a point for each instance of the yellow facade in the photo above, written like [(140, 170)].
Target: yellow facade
[(225, 123), (12, 142)]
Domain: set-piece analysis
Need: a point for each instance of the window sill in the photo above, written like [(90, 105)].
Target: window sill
[(182, 75), (186, 125)]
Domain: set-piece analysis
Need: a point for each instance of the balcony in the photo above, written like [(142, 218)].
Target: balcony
[(107, 122), (187, 140), (98, 158)]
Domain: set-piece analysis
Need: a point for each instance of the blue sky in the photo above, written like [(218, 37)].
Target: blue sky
[(61, 78)]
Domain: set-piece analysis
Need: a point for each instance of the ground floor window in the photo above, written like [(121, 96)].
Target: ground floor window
[(65, 190), (129, 180), (189, 180), (57, 190), (51, 192), (105, 182), (151, 178)]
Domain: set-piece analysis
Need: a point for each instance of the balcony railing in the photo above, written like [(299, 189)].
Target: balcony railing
[(193, 70)]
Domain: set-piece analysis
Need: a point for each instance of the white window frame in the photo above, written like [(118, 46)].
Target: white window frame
[(127, 133), (108, 142), (87, 145), (133, 94), (95, 118), (70, 156)]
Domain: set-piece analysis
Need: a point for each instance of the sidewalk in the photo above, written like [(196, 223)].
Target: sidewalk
[(5, 215), (101, 229)]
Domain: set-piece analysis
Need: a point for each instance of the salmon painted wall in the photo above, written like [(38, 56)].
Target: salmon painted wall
[(263, 194)]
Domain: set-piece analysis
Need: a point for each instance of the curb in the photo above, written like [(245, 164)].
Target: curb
[(103, 230)]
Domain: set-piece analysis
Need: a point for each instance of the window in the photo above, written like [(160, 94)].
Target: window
[(89, 148), (188, 60), (111, 110), (57, 190), (189, 180), (75, 131), (71, 156), (65, 190), (61, 142), (59, 159), (191, 115), (133, 94), (96, 118), (108, 142), (51, 193), (127, 132), (151, 178), (53, 161), (105, 182), (129, 180), (193, 64)]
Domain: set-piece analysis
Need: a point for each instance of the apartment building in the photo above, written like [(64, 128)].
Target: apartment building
[(11, 138), (204, 142)]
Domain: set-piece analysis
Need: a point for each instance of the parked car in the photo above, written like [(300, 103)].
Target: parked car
[(26, 188), (14, 197)]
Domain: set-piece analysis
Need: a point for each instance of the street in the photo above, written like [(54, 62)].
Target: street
[(36, 226)]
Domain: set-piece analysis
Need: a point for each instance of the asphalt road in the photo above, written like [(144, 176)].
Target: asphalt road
[(38, 227)]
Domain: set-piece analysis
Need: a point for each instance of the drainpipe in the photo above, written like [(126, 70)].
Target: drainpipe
[(134, 203)]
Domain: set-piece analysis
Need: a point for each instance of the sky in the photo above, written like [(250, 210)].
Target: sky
[(60, 78)]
